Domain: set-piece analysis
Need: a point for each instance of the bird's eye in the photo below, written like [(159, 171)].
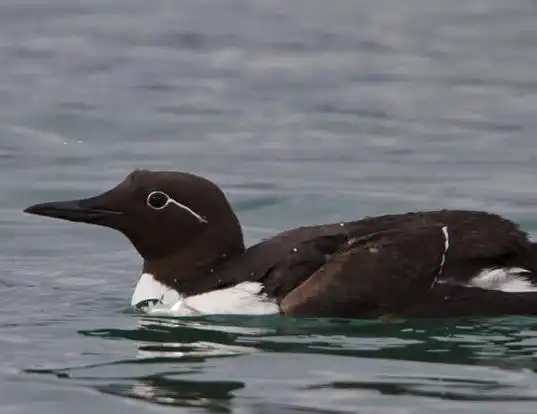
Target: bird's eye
[(157, 200)]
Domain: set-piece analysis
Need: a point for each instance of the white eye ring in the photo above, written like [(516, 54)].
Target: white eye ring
[(170, 200), (152, 194)]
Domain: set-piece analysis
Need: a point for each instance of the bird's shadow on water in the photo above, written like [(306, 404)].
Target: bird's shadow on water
[(175, 357)]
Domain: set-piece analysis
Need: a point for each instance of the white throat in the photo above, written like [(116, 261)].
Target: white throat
[(245, 298)]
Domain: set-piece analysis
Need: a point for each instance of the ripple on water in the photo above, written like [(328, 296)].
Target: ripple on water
[(210, 362)]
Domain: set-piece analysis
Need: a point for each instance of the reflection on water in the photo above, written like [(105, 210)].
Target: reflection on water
[(206, 361), (212, 395)]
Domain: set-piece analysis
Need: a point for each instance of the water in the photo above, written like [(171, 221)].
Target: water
[(304, 112)]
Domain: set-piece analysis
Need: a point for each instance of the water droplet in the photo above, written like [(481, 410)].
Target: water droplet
[(341, 224), (295, 249), (212, 270), (373, 250)]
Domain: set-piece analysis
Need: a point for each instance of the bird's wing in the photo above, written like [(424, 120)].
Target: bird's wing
[(389, 271)]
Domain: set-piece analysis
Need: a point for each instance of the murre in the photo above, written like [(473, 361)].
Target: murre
[(445, 263)]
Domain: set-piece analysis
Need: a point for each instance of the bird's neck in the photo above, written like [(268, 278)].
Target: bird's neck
[(195, 268)]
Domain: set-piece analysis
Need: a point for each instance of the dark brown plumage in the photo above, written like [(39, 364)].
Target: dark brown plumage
[(413, 264)]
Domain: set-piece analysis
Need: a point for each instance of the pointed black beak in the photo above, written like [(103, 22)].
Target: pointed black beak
[(72, 211)]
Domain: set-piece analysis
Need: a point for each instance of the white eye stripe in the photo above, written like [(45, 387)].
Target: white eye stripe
[(200, 218), (170, 200)]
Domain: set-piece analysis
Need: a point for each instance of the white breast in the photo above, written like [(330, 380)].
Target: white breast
[(245, 298)]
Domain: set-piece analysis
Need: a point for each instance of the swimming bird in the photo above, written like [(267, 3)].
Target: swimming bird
[(445, 263)]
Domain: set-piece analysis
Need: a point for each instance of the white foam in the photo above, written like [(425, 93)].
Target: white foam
[(242, 299), (506, 279)]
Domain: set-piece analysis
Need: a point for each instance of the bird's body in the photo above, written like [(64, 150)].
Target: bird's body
[(445, 263)]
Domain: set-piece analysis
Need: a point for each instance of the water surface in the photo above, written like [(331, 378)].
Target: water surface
[(304, 112)]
